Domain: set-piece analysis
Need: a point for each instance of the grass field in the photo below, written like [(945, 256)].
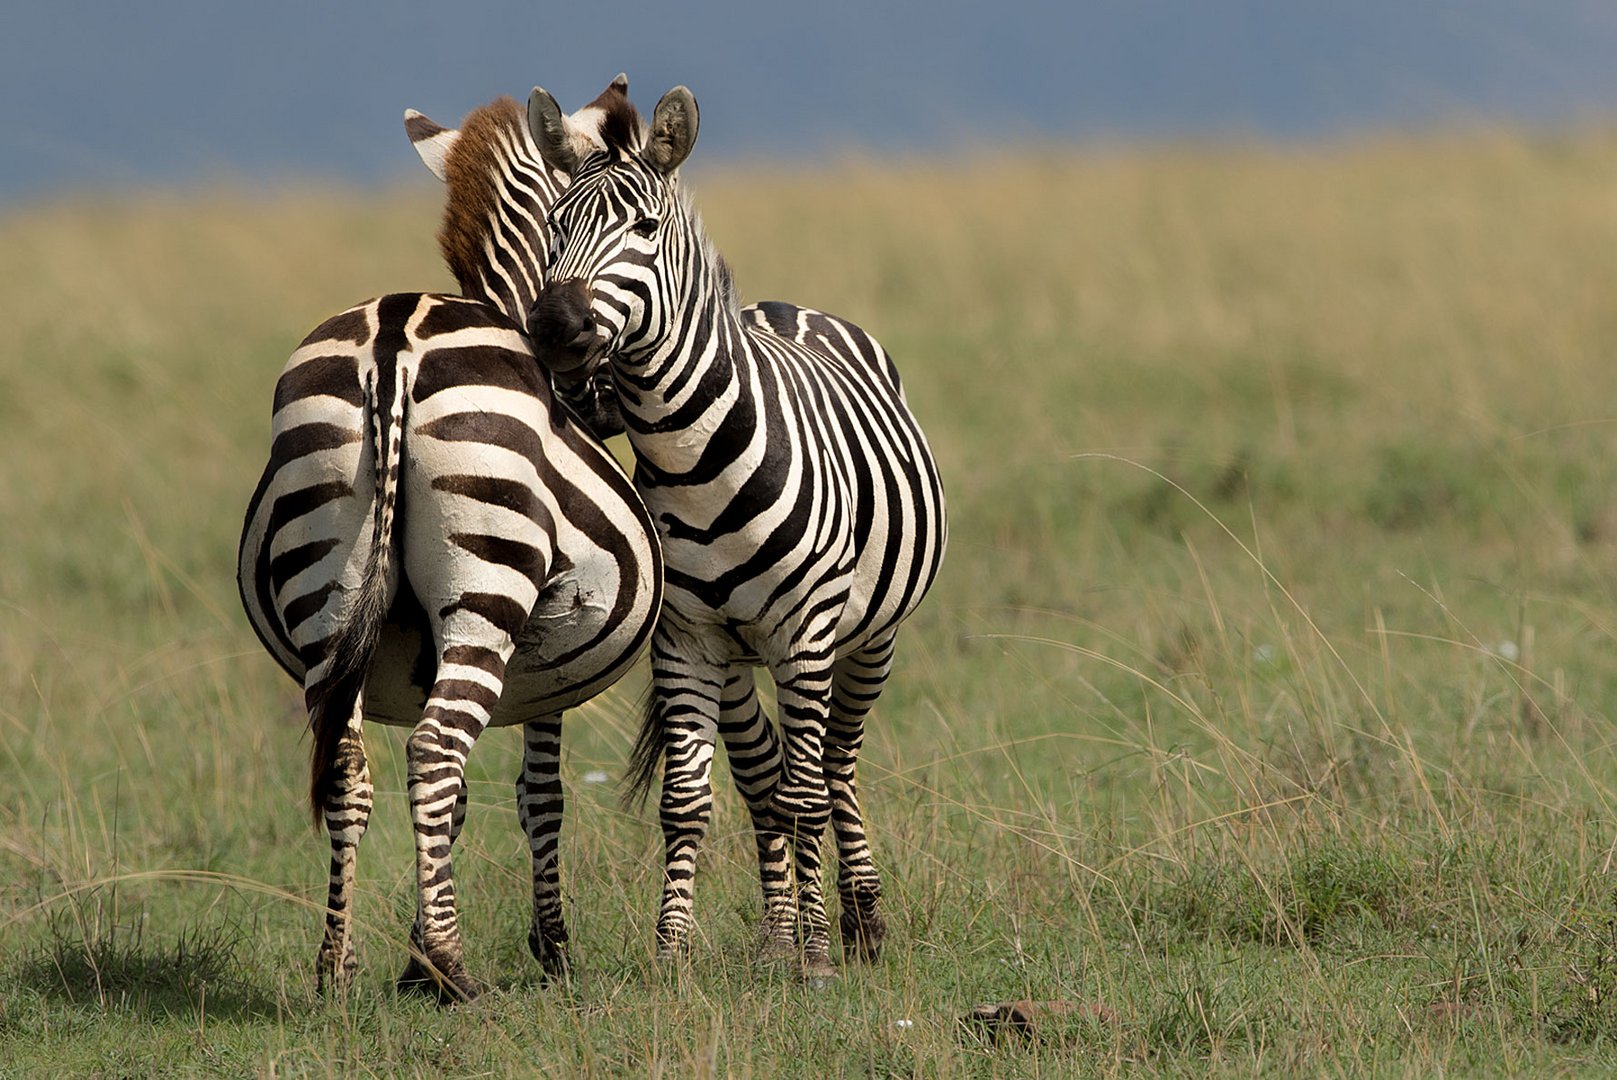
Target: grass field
[(1262, 709)]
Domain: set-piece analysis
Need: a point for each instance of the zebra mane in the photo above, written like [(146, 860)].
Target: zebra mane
[(618, 124), (494, 141), (723, 277)]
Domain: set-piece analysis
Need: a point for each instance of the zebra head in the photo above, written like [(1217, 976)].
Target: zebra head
[(615, 232), (499, 192)]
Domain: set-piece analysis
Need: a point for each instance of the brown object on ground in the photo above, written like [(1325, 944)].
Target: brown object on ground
[(1026, 1017), (1453, 1012)]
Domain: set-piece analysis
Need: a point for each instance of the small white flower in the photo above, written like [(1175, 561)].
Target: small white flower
[(901, 1024), (596, 776), (1508, 650)]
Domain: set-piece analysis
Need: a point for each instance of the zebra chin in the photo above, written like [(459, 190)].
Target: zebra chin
[(589, 392), (575, 359)]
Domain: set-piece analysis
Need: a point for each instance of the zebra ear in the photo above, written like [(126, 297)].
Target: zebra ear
[(431, 140), (551, 132), (673, 130)]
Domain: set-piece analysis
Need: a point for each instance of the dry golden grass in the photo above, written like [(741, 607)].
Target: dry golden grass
[(1264, 699)]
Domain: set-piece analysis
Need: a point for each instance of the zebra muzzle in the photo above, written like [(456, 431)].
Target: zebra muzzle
[(562, 328)]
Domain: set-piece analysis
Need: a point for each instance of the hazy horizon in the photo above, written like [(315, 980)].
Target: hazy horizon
[(182, 92)]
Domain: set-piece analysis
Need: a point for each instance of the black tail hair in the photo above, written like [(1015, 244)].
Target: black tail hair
[(331, 701), (647, 753)]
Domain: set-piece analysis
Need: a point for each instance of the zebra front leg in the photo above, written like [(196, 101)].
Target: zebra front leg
[(857, 681), (802, 800), (685, 705), (753, 751), (347, 813), (539, 806), (469, 682)]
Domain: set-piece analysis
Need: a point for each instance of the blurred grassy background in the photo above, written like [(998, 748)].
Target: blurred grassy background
[(1262, 704)]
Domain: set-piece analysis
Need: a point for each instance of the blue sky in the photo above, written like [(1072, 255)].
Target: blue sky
[(112, 97)]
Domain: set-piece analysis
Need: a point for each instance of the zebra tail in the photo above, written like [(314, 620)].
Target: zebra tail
[(646, 755), (332, 699)]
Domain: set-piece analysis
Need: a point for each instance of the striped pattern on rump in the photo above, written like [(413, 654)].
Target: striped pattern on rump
[(435, 544)]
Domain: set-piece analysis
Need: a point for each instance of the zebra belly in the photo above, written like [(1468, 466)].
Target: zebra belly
[(761, 622), (535, 685), (720, 637), (573, 646)]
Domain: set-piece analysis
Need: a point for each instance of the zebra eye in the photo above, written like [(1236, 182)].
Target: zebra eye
[(646, 226)]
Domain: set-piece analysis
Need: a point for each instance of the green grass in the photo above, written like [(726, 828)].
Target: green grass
[(1262, 708)]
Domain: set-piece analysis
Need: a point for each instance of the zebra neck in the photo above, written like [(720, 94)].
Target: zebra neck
[(494, 236), (689, 408), (507, 287)]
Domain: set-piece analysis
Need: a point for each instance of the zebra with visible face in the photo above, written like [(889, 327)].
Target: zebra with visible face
[(800, 510), (437, 544)]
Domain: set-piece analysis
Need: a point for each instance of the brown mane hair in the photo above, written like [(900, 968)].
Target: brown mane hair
[(621, 125), (472, 175)]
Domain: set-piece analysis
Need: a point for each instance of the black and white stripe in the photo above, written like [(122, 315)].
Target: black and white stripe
[(800, 510), (437, 544)]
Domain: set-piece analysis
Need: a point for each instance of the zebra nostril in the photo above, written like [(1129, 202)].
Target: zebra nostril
[(558, 318), (562, 326)]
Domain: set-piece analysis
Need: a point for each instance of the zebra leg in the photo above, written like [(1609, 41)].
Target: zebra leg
[(470, 679), (802, 800), (857, 681), (753, 751), (347, 815), (685, 697), (539, 806), (417, 974)]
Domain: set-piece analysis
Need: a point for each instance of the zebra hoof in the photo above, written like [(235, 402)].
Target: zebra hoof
[(775, 951), (332, 976), (673, 944), (862, 934), (551, 953), (818, 972), (448, 987)]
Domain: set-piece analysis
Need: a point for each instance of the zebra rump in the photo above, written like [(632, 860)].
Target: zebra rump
[(438, 543)]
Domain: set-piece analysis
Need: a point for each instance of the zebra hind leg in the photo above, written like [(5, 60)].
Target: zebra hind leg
[(419, 975), (858, 680), (539, 807), (470, 680), (347, 813), (753, 751)]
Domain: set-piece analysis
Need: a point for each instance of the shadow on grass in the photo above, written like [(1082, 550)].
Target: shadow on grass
[(119, 968)]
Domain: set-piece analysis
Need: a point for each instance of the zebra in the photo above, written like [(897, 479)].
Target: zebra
[(436, 543), (799, 506)]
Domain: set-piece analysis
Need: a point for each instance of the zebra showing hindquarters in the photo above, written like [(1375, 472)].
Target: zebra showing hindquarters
[(799, 507), (436, 544)]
